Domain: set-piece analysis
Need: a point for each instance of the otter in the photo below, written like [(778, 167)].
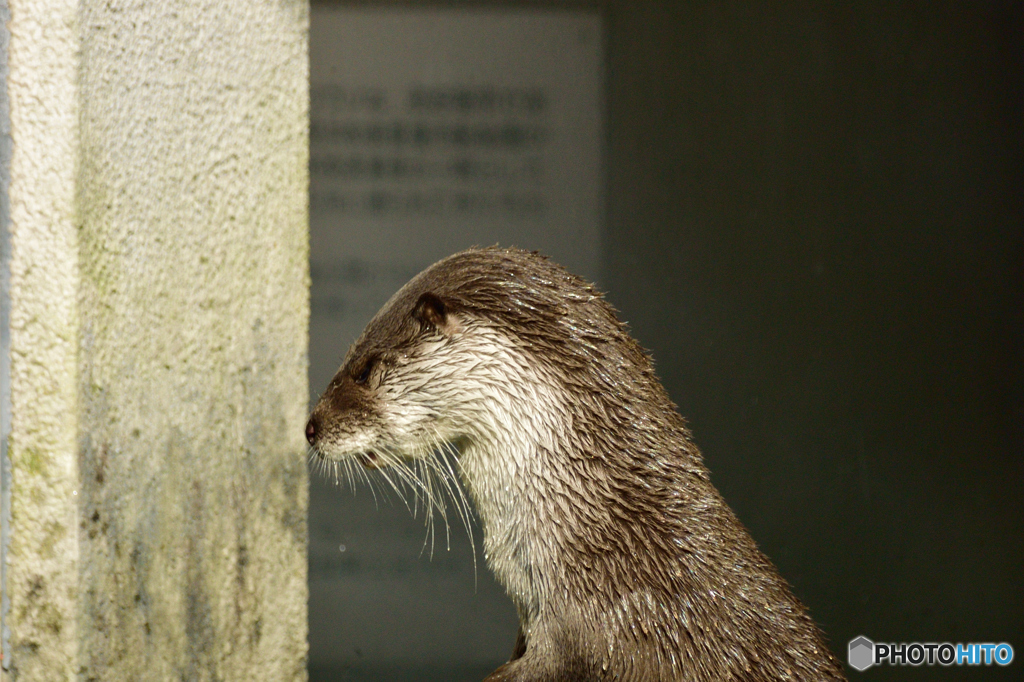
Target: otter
[(599, 517)]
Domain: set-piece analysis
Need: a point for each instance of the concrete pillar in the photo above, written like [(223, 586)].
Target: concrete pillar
[(158, 304)]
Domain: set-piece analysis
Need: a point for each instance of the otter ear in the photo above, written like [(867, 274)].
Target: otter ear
[(432, 312)]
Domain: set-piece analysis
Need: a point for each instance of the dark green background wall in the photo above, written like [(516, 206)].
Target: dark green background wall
[(814, 221)]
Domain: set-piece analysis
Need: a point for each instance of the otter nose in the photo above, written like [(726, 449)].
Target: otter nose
[(311, 430)]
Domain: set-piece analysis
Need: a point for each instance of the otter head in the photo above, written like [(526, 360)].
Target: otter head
[(484, 350), (477, 348), (374, 409)]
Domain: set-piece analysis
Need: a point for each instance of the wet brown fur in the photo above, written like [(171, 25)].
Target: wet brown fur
[(647, 573)]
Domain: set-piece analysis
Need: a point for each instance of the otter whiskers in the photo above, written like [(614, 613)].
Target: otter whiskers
[(426, 482)]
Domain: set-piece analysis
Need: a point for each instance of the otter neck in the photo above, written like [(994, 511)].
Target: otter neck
[(512, 486), (515, 446)]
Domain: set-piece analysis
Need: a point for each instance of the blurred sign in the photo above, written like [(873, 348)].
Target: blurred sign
[(432, 131), (435, 130)]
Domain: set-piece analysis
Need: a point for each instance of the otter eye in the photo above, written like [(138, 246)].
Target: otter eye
[(364, 373)]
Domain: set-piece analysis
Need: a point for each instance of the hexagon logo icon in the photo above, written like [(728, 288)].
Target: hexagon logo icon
[(861, 655)]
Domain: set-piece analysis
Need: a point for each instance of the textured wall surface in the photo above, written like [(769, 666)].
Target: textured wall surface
[(42, 557), (159, 293)]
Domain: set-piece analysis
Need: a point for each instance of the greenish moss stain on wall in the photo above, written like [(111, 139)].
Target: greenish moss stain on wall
[(31, 461), (189, 376), (42, 557)]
